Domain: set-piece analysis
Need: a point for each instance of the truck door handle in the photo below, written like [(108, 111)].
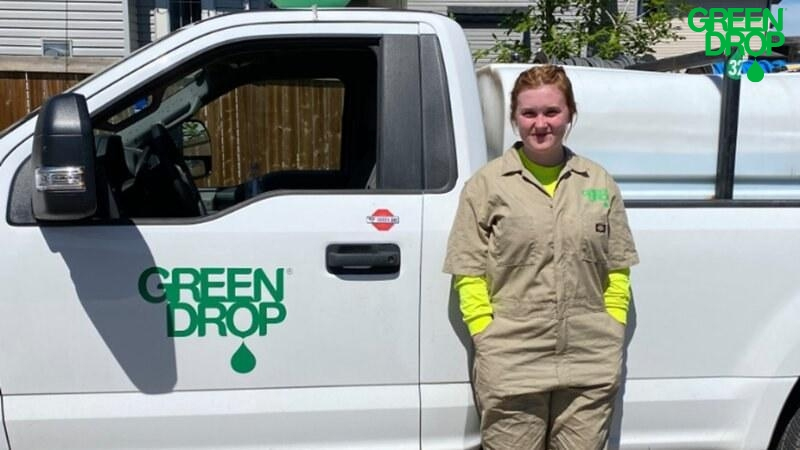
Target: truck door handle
[(352, 259)]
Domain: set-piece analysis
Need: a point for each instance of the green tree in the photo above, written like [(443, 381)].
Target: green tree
[(569, 28)]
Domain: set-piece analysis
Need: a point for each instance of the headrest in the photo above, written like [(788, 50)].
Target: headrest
[(163, 142), (111, 155)]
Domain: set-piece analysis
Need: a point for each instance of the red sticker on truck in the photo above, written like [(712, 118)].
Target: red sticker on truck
[(383, 219)]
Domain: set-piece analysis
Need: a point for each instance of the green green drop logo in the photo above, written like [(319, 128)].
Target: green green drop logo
[(236, 302), (755, 73), (243, 360)]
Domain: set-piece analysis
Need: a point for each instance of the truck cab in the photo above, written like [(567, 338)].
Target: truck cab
[(238, 261)]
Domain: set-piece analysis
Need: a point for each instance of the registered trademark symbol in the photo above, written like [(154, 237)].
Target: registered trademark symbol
[(289, 271)]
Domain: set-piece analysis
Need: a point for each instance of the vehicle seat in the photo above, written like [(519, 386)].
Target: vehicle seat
[(112, 172)]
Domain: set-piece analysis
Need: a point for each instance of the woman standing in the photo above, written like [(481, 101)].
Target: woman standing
[(541, 250)]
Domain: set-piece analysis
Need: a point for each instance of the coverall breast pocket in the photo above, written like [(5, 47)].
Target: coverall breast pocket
[(594, 238), (515, 241)]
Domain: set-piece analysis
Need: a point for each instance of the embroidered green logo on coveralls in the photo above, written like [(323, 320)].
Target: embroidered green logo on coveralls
[(234, 300), (597, 195)]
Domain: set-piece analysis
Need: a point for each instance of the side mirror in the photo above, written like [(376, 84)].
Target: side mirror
[(196, 148), (63, 160)]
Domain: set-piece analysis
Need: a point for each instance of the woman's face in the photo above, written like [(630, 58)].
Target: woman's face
[(542, 117)]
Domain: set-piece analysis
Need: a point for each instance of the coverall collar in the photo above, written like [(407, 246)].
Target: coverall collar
[(512, 164)]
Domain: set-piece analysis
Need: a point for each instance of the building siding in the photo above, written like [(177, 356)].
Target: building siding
[(441, 6), (94, 27), (481, 38)]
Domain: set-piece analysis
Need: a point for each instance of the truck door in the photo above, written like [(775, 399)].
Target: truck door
[(276, 305)]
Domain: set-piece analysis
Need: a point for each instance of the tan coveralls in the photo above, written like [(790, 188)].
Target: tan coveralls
[(547, 368)]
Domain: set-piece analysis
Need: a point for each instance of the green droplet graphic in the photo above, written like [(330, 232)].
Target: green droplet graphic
[(243, 360), (755, 73)]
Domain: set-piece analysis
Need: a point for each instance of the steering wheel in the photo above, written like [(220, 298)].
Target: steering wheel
[(162, 180)]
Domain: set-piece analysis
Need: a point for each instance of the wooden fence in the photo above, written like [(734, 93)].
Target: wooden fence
[(254, 129), (24, 91)]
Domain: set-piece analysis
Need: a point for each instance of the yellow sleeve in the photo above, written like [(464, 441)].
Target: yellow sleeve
[(476, 307), (618, 294)]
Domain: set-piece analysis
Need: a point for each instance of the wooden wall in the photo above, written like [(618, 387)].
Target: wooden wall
[(22, 92)]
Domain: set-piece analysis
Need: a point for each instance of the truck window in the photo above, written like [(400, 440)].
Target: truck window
[(239, 126), (250, 120)]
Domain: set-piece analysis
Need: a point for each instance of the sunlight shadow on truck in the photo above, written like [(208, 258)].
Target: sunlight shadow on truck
[(454, 316), (104, 264)]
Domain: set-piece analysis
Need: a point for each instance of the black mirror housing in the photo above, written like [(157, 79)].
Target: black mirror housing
[(63, 161)]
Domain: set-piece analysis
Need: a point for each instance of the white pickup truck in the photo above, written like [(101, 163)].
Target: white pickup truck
[(233, 239)]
